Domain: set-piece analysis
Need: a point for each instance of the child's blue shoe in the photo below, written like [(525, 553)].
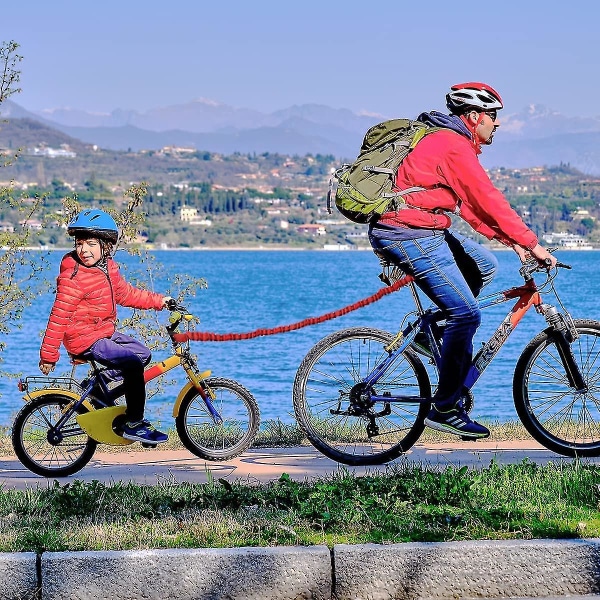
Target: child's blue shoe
[(143, 431)]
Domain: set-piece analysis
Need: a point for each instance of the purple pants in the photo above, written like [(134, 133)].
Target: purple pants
[(125, 358)]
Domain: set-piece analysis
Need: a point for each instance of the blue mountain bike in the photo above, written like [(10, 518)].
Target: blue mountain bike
[(361, 395)]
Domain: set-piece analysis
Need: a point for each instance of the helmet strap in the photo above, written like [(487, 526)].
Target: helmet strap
[(473, 128)]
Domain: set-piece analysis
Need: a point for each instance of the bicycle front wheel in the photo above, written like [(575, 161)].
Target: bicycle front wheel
[(234, 432), (559, 417), (44, 451), (339, 421)]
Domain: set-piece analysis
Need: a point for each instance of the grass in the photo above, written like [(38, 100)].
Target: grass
[(410, 503)]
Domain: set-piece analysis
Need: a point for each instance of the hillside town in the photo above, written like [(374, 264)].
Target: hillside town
[(202, 199)]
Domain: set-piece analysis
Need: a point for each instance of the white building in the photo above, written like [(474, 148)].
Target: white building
[(567, 241)]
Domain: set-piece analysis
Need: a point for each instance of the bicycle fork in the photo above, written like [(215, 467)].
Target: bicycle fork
[(204, 390), (562, 335)]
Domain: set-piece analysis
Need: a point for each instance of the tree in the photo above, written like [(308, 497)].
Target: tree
[(19, 269)]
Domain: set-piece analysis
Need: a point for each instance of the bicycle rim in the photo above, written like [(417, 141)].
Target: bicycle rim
[(560, 418), (322, 391), (240, 416), (34, 450)]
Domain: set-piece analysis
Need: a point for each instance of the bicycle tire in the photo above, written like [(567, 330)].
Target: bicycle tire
[(34, 450), (323, 382), (558, 417), (241, 418)]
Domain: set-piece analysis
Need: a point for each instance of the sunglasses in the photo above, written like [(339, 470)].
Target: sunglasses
[(492, 114)]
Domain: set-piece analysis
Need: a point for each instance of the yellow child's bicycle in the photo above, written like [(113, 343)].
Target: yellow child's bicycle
[(57, 431)]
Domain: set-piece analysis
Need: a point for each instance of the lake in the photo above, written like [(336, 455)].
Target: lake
[(254, 289)]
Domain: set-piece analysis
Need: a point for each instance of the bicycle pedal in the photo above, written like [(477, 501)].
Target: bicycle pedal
[(148, 445)]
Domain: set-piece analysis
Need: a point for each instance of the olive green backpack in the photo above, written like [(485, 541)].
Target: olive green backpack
[(363, 190)]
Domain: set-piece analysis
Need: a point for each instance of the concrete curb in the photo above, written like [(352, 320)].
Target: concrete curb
[(439, 570), (479, 569), (207, 574), (18, 575)]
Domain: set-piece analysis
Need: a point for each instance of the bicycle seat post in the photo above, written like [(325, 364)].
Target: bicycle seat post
[(416, 299)]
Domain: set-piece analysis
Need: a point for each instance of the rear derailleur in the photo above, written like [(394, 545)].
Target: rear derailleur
[(361, 405)]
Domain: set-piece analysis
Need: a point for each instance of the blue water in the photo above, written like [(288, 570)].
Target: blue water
[(263, 289)]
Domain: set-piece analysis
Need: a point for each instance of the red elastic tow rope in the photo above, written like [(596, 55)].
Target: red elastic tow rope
[(207, 336)]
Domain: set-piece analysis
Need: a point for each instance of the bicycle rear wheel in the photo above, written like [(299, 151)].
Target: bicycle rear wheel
[(357, 432), (556, 415), (51, 455), (240, 416)]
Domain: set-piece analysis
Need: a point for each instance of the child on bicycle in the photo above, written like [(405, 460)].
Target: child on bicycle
[(450, 268), (89, 288)]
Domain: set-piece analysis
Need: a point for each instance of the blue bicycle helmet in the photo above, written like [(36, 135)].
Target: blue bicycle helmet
[(95, 223)]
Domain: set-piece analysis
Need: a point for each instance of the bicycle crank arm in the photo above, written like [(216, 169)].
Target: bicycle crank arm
[(358, 411), (400, 399)]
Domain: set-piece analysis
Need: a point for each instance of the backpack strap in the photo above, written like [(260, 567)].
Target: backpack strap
[(406, 191), (372, 169)]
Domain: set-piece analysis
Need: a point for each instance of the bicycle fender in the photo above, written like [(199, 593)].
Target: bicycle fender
[(185, 389), (46, 391), (182, 393)]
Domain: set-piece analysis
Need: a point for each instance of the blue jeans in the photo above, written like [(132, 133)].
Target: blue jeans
[(125, 358), (451, 270)]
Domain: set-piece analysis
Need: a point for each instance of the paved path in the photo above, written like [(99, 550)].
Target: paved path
[(263, 465)]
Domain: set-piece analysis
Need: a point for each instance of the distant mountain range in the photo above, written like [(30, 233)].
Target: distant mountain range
[(536, 136)]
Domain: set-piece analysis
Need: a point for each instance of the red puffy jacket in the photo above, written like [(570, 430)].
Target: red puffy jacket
[(446, 164), (85, 307)]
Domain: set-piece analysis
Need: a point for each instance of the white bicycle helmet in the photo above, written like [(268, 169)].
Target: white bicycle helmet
[(472, 96)]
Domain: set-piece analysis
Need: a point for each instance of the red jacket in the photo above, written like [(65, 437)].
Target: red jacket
[(446, 163), (85, 307)]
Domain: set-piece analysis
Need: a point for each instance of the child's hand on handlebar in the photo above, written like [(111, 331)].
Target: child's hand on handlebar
[(168, 302)]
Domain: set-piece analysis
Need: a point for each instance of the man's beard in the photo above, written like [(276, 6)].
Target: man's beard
[(489, 141)]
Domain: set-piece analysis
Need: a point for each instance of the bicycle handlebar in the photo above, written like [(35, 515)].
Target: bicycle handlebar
[(532, 266), (173, 305), (178, 314)]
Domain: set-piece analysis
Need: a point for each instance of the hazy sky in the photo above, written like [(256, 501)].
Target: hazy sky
[(390, 57)]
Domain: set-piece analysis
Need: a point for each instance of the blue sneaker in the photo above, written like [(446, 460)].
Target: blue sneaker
[(143, 431), (455, 420)]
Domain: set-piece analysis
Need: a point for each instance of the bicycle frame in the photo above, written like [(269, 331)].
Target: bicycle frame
[(157, 369), (527, 296)]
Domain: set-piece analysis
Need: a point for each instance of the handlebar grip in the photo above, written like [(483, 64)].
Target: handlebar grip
[(563, 265), (560, 265), (172, 304)]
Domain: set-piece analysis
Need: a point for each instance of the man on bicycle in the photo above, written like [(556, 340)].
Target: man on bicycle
[(450, 268)]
